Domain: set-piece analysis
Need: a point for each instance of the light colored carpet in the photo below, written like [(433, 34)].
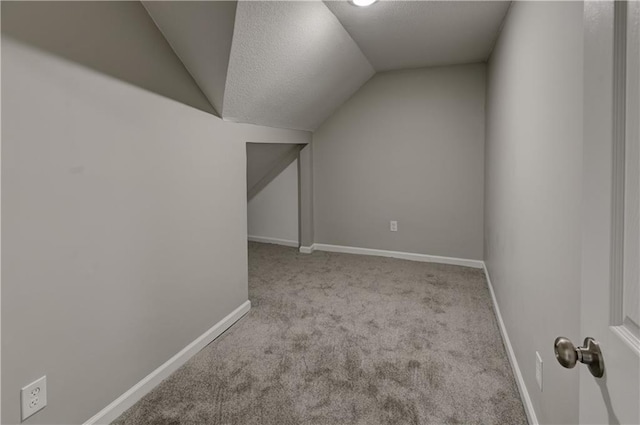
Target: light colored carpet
[(347, 339)]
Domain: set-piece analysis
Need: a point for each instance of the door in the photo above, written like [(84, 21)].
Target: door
[(611, 233)]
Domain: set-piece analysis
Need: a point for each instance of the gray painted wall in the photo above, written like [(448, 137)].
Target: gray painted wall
[(305, 188), (124, 222), (265, 161), (273, 212), (409, 146), (533, 191)]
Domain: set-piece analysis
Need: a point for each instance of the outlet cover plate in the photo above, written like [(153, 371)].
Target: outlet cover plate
[(393, 226), (33, 397), (539, 370)]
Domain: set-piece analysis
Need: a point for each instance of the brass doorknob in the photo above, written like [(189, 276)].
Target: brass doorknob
[(568, 355)]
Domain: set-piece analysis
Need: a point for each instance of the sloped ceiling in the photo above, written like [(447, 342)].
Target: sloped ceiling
[(292, 64), (265, 161), (200, 32), (114, 38), (415, 34)]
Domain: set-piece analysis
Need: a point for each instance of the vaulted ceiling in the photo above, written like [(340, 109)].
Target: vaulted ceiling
[(290, 64), (416, 34)]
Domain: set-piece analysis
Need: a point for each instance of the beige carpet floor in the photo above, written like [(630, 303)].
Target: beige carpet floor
[(347, 339)]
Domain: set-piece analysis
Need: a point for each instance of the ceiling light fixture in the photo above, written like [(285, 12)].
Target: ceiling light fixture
[(362, 3)]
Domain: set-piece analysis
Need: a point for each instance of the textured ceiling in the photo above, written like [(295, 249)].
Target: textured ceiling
[(200, 32), (413, 34), (292, 64)]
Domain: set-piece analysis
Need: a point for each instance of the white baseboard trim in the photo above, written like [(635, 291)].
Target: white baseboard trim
[(276, 241), (397, 254), (139, 390), (524, 393), (308, 249)]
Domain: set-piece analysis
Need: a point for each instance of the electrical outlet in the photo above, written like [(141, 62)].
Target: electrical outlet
[(539, 370), (33, 397), (393, 226)]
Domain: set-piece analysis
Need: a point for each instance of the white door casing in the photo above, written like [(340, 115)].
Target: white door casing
[(628, 309), (611, 235)]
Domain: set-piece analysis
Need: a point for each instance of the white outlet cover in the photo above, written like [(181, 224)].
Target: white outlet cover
[(33, 397), (539, 370), (393, 226)]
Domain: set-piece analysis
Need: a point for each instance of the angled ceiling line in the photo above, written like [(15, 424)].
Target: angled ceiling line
[(417, 34), (217, 113), (349, 34), (201, 34), (234, 119), (224, 93), (500, 28), (291, 64)]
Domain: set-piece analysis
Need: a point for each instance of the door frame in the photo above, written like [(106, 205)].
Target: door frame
[(603, 213)]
